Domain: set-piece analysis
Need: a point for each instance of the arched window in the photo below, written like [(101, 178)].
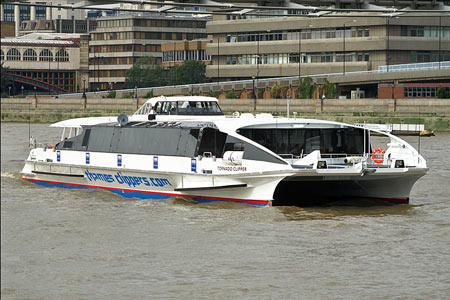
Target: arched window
[(62, 55), (29, 54), (2, 55), (13, 54), (46, 55)]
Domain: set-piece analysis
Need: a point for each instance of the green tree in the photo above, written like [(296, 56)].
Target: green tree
[(231, 95), (442, 93), (305, 90), (276, 89), (111, 94), (145, 73), (329, 89), (5, 79), (191, 71)]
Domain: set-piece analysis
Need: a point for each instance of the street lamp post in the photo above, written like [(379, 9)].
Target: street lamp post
[(299, 54), (22, 89), (440, 34), (135, 92), (218, 62), (257, 56), (35, 95), (288, 99), (98, 72), (9, 91), (254, 94), (343, 54), (84, 89)]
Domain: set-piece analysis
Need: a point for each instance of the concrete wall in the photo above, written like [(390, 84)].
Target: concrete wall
[(402, 106)]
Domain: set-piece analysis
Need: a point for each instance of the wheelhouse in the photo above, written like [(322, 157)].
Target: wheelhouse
[(183, 106)]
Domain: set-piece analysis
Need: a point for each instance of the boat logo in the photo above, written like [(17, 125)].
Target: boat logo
[(131, 181)]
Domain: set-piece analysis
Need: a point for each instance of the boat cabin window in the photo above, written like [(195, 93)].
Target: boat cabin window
[(199, 108), (207, 108), (212, 141), (304, 141), (166, 108), (144, 109), (151, 141)]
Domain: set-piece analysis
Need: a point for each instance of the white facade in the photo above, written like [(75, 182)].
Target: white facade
[(18, 13)]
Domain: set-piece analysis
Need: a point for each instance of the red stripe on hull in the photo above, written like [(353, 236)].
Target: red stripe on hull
[(259, 202)]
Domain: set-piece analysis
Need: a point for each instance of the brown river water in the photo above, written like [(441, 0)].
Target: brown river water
[(87, 244)]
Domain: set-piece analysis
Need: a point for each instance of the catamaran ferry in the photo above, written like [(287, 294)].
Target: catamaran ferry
[(186, 147)]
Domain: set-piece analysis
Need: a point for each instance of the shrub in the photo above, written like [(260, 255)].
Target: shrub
[(231, 95), (4, 95), (214, 94), (442, 93), (329, 89), (111, 94), (283, 92), (305, 90), (128, 95), (149, 94), (276, 89), (20, 96), (260, 93)]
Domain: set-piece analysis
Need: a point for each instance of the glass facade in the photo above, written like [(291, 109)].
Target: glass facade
[(294, 34), (182, 55), (289, 58), (422, 91)]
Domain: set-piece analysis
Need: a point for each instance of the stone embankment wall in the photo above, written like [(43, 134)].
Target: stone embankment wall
[(435, 113), (409, 106)]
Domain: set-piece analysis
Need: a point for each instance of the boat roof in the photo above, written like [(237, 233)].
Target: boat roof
[(180, 98), (79, 122)]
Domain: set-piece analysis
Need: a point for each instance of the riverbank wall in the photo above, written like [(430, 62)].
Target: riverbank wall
[(434, 113)]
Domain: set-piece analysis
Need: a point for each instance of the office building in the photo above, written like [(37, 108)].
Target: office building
[(293, 46), (18, 13), (45, 58), (118, 42), (176, 53)]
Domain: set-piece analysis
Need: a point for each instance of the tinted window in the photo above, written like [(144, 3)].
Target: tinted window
[(304, 141), (213, 141), (158, 141)]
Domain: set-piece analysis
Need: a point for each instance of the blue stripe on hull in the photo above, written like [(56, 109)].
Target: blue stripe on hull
[(137, 194)]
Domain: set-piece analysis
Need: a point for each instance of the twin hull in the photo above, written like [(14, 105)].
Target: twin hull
[(261, 188)]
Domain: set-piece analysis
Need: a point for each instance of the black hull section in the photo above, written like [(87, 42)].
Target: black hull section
[(326, 191)]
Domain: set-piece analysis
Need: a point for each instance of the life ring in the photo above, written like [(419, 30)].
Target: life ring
[(375, 159)]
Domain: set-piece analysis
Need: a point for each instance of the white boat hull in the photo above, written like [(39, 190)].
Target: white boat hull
[(266, 188)]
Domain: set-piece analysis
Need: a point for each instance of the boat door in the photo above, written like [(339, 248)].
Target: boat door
[(210, 146)]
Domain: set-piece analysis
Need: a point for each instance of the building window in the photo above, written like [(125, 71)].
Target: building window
[(30, 55), (420, 92), (2, 55), (46, 55), (423, 56), (40, 11), (62, 55), (417, 31), (24, 13), (13, 54)]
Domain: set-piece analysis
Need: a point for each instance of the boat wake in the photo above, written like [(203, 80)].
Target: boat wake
[(15, 175)]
